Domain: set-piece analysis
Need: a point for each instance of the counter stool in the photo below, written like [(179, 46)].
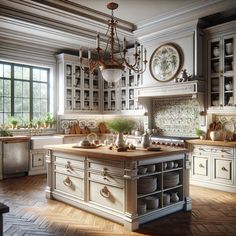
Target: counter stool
[(3, 209)]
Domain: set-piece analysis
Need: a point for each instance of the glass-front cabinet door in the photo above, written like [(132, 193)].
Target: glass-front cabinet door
[(81, 87), (221, 72)]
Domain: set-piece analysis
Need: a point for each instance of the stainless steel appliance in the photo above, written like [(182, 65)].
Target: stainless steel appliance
[(15, 157)]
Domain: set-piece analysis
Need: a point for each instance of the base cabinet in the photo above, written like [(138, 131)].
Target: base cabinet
[(214, 167), (37, 164), (129, 192)]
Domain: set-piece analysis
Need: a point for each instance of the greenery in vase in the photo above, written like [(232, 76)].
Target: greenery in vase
[(199, 132), (4, 132), (120, 125)]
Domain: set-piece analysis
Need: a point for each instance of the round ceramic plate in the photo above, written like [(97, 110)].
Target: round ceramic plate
[(228, 127)]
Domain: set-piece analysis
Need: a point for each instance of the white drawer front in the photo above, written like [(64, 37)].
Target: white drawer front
[(118, 169), (70, 171), (106, 196), (200, 166), (69, 185), (106, 178), (223, 170), (71, 162), (222, 151)]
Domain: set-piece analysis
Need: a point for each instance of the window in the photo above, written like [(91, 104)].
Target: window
[(24, 92)]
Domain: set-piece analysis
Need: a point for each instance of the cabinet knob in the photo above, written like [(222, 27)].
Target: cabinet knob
[(68, 166), (201, 165)]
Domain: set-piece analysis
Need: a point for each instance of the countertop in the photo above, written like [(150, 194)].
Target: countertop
[(212, 143), (14, 138), (105, 153)]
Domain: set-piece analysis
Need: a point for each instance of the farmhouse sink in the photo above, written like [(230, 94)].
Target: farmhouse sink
[(37, 142)]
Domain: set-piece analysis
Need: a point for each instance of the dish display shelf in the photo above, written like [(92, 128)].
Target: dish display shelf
[(221, 72), (129, 83), (80, 86), (110, 97), (164, 191)]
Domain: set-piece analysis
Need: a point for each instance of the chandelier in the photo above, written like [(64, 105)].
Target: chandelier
[(112, 61)]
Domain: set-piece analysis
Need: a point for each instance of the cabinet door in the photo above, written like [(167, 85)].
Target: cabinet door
[(221, 72), (38, 160), (223, 171), (200, 167)]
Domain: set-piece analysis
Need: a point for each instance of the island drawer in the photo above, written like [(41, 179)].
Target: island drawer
[(69, 184), (106, 196), (222, 151), (67, 162), (106, 178), (70, 171), (109, 167)]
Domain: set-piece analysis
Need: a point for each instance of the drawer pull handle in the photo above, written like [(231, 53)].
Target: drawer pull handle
[(39, 159), (224, 169), (201, 165), (105, 192), (67, 182), (68, 166)]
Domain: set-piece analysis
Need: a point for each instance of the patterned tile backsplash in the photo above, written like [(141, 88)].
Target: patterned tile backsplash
[(176, 117)]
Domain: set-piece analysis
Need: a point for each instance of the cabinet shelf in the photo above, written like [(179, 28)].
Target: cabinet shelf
[(142, 195), (175, 187)]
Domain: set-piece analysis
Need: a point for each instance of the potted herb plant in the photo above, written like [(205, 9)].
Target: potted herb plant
[(200, 133), (49, 120), (120, 126), (13, 121)]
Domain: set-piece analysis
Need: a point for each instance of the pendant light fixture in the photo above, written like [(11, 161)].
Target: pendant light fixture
[(112, 61)]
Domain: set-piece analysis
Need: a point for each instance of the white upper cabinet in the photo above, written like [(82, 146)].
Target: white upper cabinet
[(221, 70)]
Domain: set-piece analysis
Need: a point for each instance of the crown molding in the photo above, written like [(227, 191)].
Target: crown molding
[(187, 14)]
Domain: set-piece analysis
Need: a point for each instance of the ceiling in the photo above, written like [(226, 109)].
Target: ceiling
[(138, 11)]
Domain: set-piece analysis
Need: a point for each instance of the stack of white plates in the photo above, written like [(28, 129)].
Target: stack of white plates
[(170, 179), (147, 184)]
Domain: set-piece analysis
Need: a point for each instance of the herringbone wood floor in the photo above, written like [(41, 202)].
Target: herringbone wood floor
[(214, 213)]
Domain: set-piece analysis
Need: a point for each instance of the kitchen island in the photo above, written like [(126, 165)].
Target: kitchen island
[(130, 187)]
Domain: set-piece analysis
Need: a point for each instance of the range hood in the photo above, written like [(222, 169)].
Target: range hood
[(192, 89)]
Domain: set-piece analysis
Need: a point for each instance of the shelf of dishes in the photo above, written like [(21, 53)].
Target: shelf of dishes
[(159, 185)]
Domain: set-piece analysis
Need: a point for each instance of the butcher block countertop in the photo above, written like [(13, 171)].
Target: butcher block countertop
[(104, 153), (212, 143), (14, 138)]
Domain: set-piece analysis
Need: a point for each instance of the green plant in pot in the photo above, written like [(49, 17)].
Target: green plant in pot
[(49, 120), (200, 133), (120, 126), (13, 121)]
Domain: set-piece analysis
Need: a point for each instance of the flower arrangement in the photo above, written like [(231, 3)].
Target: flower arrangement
[(200, 133), (13, 121)]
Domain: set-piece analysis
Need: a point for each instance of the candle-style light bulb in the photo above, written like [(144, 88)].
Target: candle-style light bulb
[(98, 40)]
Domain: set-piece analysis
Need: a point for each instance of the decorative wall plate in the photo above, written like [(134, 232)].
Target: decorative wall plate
[(166, 62)]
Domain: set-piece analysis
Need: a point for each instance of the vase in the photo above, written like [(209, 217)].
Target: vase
[(174, 197), (120, 140)]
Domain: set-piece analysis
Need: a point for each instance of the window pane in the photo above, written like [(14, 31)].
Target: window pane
[(44, 92), (18, 72), (7, 71), (18, 104), (36, 90), (1, 70), (7, 104), (7, 88), (26, 105), (36, 105), (36, 74), (44, 75), (1, 104), (26, 73), (18, 89), (26, 89), (43, 105), (1, 87), (25, 118)]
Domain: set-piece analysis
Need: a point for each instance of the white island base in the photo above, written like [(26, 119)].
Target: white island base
[(130, 188)]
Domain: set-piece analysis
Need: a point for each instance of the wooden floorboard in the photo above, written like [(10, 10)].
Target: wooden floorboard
[(31, 214)]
